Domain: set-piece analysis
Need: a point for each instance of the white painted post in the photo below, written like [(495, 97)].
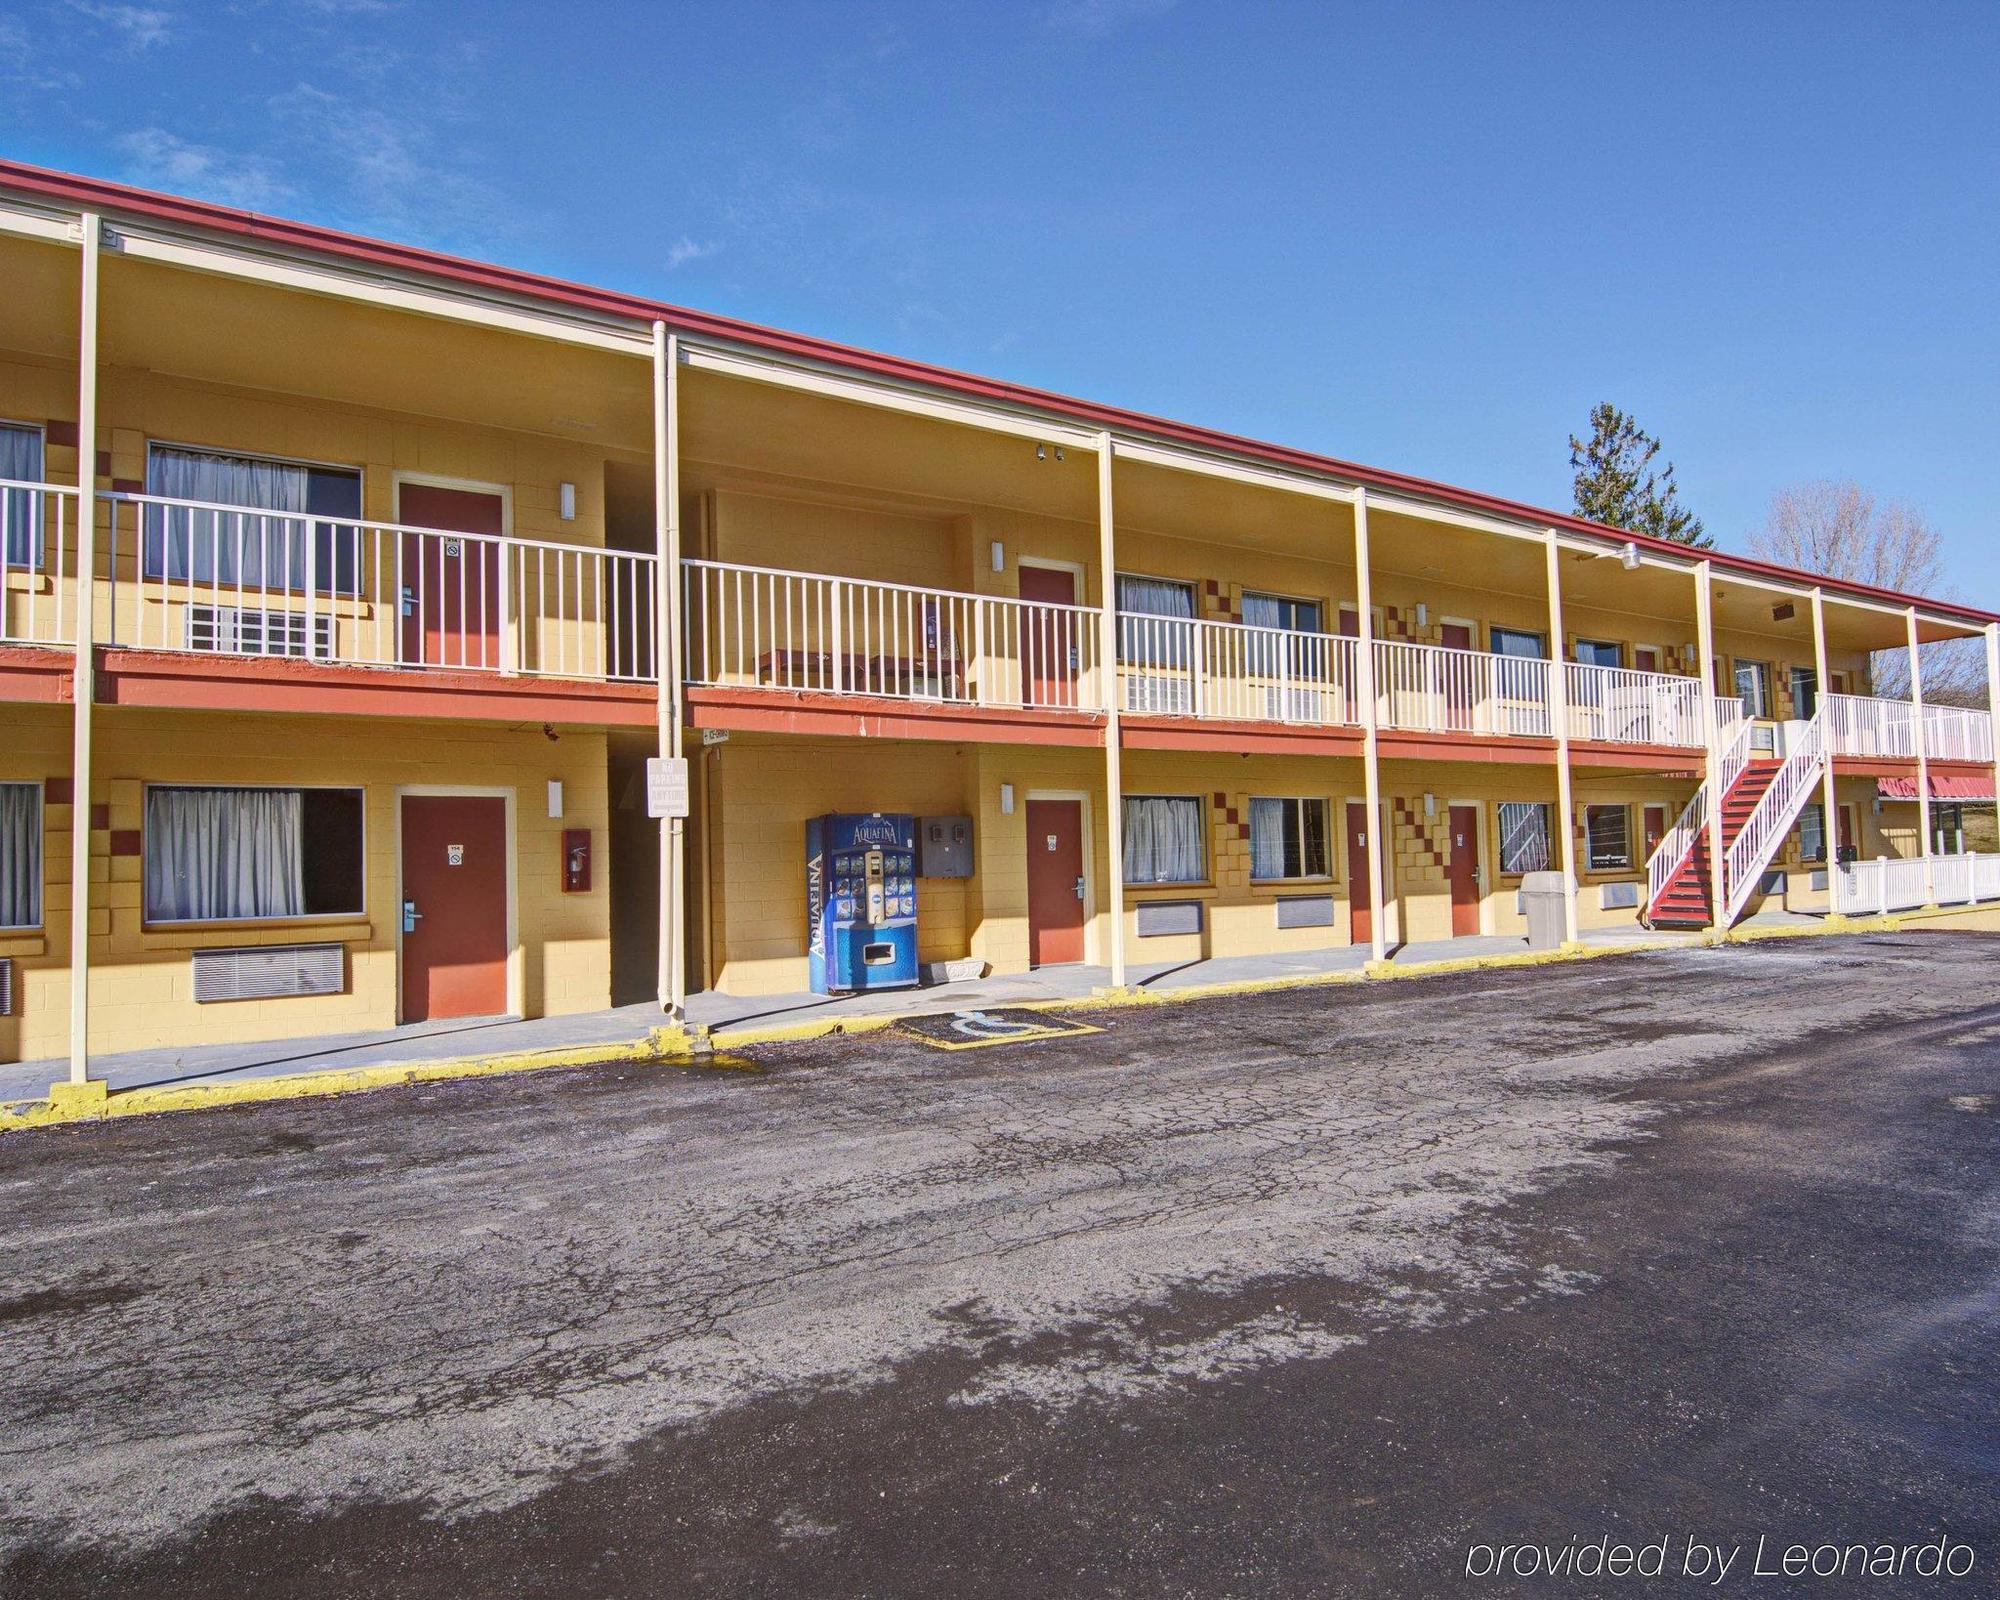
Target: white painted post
[(1114, 786), (1559, 715), (1828, 808), (1882, 885), (1704, 627), (1923, 754), (83, 686), (667, 659), (1371, 766)]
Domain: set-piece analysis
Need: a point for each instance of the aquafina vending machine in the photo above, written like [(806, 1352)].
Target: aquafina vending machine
[(861, 897)]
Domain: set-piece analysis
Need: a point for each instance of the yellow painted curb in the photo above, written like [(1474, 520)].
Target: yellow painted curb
[(65, 1105)]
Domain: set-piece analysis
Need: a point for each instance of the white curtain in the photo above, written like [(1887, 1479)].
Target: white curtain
[(221, 546), (1267, 838), (20, 855), (20, 510), (1163, 840), (1263, 611), (1154, 643), (224, 854)]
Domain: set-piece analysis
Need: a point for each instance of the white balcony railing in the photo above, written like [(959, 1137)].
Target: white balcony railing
[(1232, 671), (216, 579), (761, 626), (1858, 725), (37, 562), (1427, 688), (1613, 705)]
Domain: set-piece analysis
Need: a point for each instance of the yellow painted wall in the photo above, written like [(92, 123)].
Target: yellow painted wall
[(141, 982)]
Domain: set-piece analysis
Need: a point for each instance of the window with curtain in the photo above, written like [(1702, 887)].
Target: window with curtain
[(20, 855), (1165, 840), (1805, 692), (267, 550), (1812, 832), (1288, 838), (1524, 836), (1144, 641), (1302, 658), (1607, 833), (1599, 653), (20, 509), (1753, 687), (246, 855)]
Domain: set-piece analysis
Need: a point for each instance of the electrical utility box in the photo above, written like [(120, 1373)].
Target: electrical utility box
[(861, 897), (944, 847)]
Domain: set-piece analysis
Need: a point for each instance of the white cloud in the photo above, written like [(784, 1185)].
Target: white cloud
[(683, 250), (1095, 19), (141, 27), (166, 160)]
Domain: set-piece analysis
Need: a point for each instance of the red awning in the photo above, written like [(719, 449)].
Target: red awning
[(1942, 788)]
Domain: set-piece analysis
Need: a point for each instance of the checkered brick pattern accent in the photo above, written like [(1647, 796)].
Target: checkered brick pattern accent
[(1420, 845), (1229, 839)]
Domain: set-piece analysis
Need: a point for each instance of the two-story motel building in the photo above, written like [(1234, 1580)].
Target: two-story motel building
[(346, 588)]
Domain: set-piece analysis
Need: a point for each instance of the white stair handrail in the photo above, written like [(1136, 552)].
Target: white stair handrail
[(1776, 810), (1679, 842)]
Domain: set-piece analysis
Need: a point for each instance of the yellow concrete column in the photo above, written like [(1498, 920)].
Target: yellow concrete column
[(1923, 753), (1371, 766), (1114, 786), (82, 669), (667, 660), (1704, 628), (1829, 807), (1559, 715)]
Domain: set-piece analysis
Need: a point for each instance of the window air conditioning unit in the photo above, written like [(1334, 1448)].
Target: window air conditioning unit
[(243, 631)]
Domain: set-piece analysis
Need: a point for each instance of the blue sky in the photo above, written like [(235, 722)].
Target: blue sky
[(1424, 237)]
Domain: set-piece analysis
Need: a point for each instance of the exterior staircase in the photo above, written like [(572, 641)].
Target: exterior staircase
[(1761, 799), (1684, 901)]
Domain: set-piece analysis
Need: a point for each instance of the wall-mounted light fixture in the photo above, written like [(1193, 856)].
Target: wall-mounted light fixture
[(1628, 558), (555, 797), (1430, 804), (1006, 799), (1041, 452), (566, 497), (999, 556), (1423, 615)]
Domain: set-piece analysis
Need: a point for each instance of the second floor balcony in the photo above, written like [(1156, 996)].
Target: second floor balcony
[(200, 578)]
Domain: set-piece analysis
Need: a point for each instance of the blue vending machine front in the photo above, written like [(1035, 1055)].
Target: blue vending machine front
[(861, 896)]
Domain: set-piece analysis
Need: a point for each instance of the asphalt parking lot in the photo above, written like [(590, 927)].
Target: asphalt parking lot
[(1303, 1293)]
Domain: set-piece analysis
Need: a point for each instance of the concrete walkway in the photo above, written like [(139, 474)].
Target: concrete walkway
[(727, 1015)]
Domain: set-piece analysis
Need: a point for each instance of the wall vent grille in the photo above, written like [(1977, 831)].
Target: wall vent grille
[(268, 972)]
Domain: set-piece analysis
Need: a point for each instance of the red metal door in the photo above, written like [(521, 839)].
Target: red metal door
[(454, 906), (1055, 877), (1464, 870), (1645, 658), (1457, 692), (1653, 823), (1360, 893), (1049, 644), (451, 587), (1348, 621)]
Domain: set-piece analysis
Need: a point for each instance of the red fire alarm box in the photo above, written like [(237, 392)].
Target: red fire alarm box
[(576, 861)]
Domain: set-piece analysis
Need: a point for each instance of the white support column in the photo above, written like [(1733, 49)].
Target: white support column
[(1371, 765), (83, 684), (1993, 704), (1704, 632), (1114, 783), (1828, 807), (1559, 715), (667, 662), (1923, 754)]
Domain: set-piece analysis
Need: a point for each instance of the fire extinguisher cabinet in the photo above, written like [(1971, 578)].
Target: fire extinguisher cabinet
[(861, 897)]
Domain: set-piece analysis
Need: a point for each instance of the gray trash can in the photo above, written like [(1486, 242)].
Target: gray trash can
[(1543, 895)]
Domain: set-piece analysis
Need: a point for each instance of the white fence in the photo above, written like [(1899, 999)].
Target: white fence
[(37, 562), (1887, 884), (767, 627), (1230, 670), (1858, 725), (194, 576)]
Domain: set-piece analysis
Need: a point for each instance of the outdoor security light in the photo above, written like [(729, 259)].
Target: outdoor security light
[(1628, 558), (567, 491)]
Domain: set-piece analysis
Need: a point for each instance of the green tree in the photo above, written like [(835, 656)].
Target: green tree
[(1617, 484)]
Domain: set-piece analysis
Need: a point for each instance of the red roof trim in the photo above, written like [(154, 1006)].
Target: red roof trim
[(76, 190)]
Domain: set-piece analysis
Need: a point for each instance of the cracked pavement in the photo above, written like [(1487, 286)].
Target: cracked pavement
[(1280, 1293)]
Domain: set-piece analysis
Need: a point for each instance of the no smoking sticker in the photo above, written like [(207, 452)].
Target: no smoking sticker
[(973, 1030)]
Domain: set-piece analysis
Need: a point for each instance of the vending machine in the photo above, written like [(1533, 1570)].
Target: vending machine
[(861, 897)]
